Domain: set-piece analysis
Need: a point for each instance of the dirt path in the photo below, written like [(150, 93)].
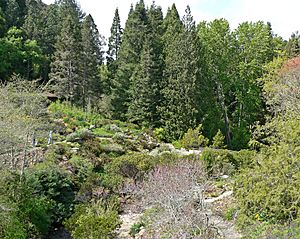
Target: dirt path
[(127, 222)]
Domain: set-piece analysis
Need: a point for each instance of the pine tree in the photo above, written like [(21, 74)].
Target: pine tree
[(145, 97), (65, 69), (115, 40), (13, 13), (34, 20), (92, 58), (129, 57), (179, 109)]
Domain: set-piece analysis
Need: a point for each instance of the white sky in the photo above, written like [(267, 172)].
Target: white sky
[(283, 15)]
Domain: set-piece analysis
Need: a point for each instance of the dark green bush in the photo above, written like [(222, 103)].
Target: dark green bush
[(131, 165), (49, 180), (92, 221), (219, 162), (81, 168)]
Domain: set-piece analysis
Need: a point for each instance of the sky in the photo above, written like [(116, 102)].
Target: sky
[(283, 15)]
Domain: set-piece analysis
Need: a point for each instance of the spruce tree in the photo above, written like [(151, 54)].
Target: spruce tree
[(145, 97), (179, 109), (114, 42), (92, 58), (65, 69), (129, 57)]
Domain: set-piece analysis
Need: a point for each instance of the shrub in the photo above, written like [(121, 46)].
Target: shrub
[(131, 166), (245, 158), (218, 141), (174, 193), (92, 221), (47, 179), (269, 191), (193, 138), (219, 162), (115, 149), (82, 168)]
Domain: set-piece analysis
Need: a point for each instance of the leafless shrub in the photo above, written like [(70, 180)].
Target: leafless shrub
[(175, 195)]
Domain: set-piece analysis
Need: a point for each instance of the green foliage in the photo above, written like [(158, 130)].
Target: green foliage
[(93, 220), (218, 141), (81, 168), (74, 116), (193, 138), (131, 165), (269, 190), (51, 181), (219, 162), (136, 228)]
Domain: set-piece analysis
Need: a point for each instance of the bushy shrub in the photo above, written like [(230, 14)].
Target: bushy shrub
[(174, 194), (49, 180), (218, 141), (92, 221), (81, 168), (245, 158), (114, 149), (269, 191), (131, 165), (219, 162), (193, 138)]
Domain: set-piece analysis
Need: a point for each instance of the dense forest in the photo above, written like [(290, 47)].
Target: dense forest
[(88, 124)]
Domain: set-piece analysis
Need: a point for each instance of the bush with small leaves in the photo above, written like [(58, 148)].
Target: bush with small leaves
[(193, 138), (219, 162), (218, 141), (93, 221)]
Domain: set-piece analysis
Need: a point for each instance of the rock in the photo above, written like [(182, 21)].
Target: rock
[(74, 150)]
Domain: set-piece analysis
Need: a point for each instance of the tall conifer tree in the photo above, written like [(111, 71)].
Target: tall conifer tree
[(179, 110), (129, 57), (115, 40), (65, 69), (145, 83), (92, 58)]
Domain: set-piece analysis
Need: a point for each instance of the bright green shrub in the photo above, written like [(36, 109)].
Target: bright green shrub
[(218, 141), (193, 138), (245, 158), (269, 191), (82, 168), (219, 162), (11, 226), (92, 221), (131, 165)]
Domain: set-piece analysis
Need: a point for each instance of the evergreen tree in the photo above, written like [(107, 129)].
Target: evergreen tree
[(114, 42), (145, 97), (65, 69), (129, 57), (92, 58), (293, 45), (179, 110), (34, 20), (13, 13)]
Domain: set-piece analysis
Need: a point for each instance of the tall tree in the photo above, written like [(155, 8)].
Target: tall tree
[(255, 48), (293, 45), (115, 40), (129, 57), (145, 83), (65, 69), (92, 58), (220, 54), (179, 109)]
